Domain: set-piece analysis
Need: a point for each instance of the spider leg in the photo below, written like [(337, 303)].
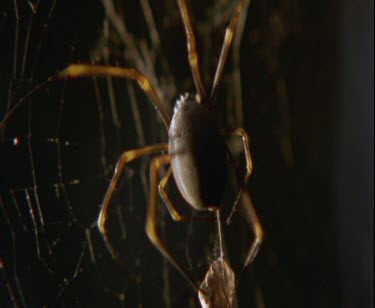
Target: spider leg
[(192, 49), (163, 194), (229, 33), (256, 227), (126, 157), (151, 219), (249, 167), (175, 215), (246, 145), (87, 70)]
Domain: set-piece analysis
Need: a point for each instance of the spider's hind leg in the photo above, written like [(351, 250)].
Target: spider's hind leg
[(256, 226), (125, 158), (151, 219)]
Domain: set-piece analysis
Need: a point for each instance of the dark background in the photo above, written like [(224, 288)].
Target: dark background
[(307, 90)]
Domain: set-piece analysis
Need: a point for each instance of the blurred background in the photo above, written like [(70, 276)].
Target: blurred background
[(299, 80)]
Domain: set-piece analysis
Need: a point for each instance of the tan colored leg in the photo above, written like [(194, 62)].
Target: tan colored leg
[(163, 194), (253, 220), (224, 51), (171, 209), (246, 145), (126, 157), (249, 168), (192, 49), (87, 70), (151, 219)]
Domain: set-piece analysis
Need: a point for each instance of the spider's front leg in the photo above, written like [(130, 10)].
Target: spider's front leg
[(91, 70)]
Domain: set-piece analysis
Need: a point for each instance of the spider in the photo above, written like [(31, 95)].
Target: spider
[(196, 153)]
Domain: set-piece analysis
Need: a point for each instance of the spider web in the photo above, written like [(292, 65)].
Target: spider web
[(60, 148)]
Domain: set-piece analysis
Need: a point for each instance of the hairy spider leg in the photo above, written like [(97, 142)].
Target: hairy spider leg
[(229, 33)]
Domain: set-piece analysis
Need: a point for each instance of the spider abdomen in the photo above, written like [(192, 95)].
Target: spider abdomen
[(198, 155)]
